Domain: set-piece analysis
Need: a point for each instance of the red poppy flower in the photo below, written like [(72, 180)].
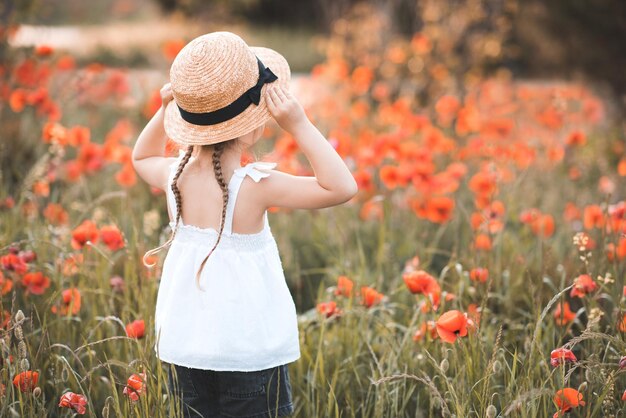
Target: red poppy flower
[(74, 401), (328, 309), (624, 396), (87, 231), (560, 356), (136, 329), (622, 324), (5, 284), (427, 328), (482, 242), (70, 302), (135, 386), (36, 283), (26, 381), (452, 324), (563, 315), (583, 285), (344, 286), (44, 50), (14, 263), (479, 274), (593, 217), (370, 297), (112, 237), (566, 399), (126, 177)]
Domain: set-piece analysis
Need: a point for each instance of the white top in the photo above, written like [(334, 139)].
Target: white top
[(245, 320)]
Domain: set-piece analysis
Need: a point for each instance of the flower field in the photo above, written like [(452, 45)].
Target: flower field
[(479, 272)]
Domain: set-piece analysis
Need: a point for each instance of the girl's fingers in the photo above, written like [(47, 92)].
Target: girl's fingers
[(269, 99), (280, 92)]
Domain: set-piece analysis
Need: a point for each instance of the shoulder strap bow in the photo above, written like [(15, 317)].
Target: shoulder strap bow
[(255, 170)]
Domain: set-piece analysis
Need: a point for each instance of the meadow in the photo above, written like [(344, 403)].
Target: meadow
[(479, 272)]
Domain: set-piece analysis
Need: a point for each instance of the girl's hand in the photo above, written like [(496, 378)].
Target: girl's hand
[(285, 109), (166, 95)]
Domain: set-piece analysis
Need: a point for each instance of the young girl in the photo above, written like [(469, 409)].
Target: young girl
[(224, 316)]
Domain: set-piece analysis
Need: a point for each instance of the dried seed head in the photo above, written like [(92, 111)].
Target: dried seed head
[(491, 411), (444, 365), (19, 316), (24, 364), (18, 332), (497, 366), (21, 349)]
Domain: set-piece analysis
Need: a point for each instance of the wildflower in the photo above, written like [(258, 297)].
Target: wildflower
[(452, 324), (479, 274), (126, 177), (560, 356), (624, 396), (26, 381), (136, 329), (73, 401), (27, 256), (566, 399), (112, 237), (419, 281), (593, 217), (370, 297), (576, 138), (622, 362), (344, 286), (171, 48), (482, 242), (563, 315), (44, 50), (583, 285), (427, 328), (117, 284), (328, 309), (135, 386), (622, 324), (5, 284), (36, 283), (543, 226), (85, 232), (13, 262), (70, 302)]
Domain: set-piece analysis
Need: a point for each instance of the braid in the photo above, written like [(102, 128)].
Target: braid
[(178, 199), (218, 149)]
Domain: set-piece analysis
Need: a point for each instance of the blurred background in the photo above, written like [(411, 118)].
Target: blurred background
[(562, 39)]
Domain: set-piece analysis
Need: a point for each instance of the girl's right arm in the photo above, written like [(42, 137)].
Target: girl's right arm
[(148, 157), (332, 184)]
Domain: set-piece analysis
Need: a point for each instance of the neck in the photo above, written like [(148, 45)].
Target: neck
[(231, 158)]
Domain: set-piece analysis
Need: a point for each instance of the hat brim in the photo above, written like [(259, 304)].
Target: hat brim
[(185, 133)]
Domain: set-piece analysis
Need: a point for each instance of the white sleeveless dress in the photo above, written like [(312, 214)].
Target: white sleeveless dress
[(245, 320)]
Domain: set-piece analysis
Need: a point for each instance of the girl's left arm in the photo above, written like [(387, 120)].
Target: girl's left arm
[(148, 156)]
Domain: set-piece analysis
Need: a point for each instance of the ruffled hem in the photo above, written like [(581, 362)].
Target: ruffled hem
[(235, 366)]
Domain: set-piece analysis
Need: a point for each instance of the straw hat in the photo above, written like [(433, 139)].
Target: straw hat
[(219, 85)]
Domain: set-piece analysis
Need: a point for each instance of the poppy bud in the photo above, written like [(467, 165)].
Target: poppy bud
[(491, 411), (622, 362)]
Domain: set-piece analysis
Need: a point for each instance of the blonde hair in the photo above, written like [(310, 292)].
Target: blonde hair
[(218, 150)]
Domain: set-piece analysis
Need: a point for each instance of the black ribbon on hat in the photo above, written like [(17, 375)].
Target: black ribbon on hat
[(252, 95)]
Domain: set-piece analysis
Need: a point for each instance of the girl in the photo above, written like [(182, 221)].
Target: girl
[(225, 319)]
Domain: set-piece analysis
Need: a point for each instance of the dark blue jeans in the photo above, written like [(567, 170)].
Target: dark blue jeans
[(229, 394)]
